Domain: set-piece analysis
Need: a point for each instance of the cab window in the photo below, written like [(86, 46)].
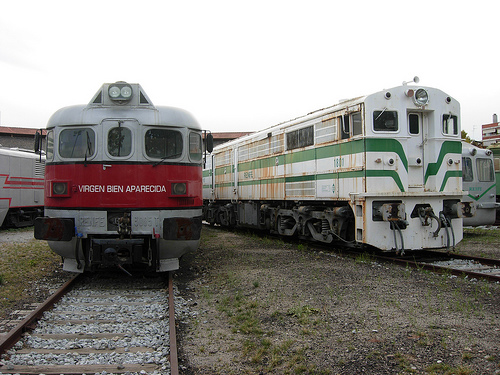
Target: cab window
[(119, 141), (49, 150), (385, 121), (450, 125), (467, 173), (357, 125), (485, 172), (77, 143), (163, 143), (195, 146)]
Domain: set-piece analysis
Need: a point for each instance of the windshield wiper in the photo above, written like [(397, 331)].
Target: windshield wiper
[(171, 156)]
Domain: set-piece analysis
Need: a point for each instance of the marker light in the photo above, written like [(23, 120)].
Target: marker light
[(421, 97), (120, 91)]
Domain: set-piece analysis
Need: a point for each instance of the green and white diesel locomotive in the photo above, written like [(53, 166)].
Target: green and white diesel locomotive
[(380, 170)]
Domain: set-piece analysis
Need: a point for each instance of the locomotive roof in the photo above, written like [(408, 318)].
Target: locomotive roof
[(134, 105), (343, 104), (19, 152)]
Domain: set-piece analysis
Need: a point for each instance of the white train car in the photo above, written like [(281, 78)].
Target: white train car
[(382, 170), (479, 184), (21, 186)]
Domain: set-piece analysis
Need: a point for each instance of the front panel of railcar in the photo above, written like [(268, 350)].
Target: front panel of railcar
[(123, 186)]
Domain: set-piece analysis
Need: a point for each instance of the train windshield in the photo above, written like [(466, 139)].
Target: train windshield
[(120, 141), (163, 143), (467, 173), (77, 143), (385, 121), (485, 171)]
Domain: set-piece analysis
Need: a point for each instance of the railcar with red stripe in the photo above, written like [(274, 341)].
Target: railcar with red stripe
[(123, 182), (21, 187)]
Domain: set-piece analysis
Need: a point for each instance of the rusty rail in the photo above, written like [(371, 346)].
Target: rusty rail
[(16, 333), (174, 364), (416, 263)]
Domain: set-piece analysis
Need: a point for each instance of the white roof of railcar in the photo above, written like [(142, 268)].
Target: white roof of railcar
[(101, 107)]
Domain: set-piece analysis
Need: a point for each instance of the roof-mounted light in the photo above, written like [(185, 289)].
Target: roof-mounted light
[(120, 91), (421, 97)]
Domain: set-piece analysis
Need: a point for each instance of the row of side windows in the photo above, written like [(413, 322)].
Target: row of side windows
[(327, 130), (80, 143)]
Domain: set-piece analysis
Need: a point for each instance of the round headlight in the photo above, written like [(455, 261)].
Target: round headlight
[(126, 91), (421, 97), (114, 91), (60, 188), (179, 188)]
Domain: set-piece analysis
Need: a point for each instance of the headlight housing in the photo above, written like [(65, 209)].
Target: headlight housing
[(179, 188), (120, 91), (421, 97), (59, 189)]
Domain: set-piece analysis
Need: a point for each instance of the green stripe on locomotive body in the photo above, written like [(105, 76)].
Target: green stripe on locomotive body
[(447, 175), (447, 147), (482, 195), (381, 145)]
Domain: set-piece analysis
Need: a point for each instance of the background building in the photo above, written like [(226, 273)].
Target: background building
[(18, 137), (491, 132)]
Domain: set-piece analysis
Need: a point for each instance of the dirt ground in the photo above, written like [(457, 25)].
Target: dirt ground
[(263, 306)]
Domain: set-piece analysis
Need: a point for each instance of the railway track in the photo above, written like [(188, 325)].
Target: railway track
[(455, 264), (112, 324)]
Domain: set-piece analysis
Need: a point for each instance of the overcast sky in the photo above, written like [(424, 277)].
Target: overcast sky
[(246, 65)]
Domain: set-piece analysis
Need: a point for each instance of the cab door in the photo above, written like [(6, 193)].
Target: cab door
[(415, 151)]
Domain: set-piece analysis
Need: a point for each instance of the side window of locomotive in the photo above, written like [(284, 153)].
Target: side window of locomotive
[(357, 126), (450, 125), (300, 138), (385, 121), (77, 143), (163, 143), (195, 146), (467, 173), (344, 126), (414, 124), (119, 141), (485, 172), (49, 151)]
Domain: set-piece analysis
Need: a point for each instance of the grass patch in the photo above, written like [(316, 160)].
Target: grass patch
[(20, 265), (484, 235)]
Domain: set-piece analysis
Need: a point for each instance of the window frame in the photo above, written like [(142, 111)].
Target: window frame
[(304, 137), (131, 142), (200, 144), (74, 129), (467, 164), (481, 171), (455, 124), (380, 112), (166, 129)]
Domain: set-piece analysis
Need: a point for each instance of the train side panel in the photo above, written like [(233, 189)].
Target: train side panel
[(21, 187), (382, 170)]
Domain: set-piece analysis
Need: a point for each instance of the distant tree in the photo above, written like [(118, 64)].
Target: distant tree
[(466, 137)]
